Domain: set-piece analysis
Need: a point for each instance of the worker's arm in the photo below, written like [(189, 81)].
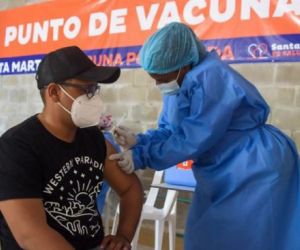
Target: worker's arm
[(207, 108), (128, 187), (26, 219)]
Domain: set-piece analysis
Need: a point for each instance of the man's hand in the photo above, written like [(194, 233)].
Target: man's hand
[(125, 137), (115, 242), (125, 161)]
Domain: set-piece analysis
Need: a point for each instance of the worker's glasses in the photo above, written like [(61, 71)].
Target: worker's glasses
[(89, 89)]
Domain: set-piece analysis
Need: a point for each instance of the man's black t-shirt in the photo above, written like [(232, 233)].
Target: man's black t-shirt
[(66, 176)]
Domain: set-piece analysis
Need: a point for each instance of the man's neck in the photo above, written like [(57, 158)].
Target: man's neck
[(58, 128)]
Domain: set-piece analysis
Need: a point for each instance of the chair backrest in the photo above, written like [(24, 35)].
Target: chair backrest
[(153, 192), (157, 177), (170, 202), (169, 207), (171, 195)]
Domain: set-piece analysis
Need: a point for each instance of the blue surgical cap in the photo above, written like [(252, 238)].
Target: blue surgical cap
[(171, 48)]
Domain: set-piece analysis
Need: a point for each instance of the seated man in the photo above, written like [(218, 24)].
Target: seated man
[(52, 165)]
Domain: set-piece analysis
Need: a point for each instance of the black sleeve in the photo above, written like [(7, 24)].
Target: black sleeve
[(20, 172)]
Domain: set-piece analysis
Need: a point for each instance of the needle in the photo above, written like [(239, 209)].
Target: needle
[(119, 122)]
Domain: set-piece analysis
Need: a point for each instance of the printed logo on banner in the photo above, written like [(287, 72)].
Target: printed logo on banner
[(290, 49), (258, 50)]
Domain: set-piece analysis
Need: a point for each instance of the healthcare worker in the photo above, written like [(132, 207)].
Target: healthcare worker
[(247, 195)]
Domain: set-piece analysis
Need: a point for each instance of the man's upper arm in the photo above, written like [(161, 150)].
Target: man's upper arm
[(20, 171), (117, 179), (23, 216), (20, 188)]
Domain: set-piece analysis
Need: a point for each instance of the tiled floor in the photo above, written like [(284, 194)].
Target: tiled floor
[(143, 247), (146, 241)]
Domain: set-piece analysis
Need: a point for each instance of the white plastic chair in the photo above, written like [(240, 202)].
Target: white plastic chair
[(159, 215)]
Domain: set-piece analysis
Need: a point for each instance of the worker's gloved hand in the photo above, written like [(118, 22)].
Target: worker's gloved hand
[(125, 137), (125, 161)]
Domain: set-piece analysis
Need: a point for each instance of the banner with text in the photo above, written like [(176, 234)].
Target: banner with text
[(112, 32)]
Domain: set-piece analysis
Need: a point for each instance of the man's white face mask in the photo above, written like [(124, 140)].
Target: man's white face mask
[(85, 112), (170, 88)]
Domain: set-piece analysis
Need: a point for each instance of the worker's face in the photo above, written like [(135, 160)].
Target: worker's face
[(168, 77)]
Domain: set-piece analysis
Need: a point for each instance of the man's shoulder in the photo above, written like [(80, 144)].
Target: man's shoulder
[(92, 136), (23, 130), (94, 130)]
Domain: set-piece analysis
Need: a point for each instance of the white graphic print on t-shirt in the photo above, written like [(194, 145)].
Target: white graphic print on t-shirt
[(72, 193)]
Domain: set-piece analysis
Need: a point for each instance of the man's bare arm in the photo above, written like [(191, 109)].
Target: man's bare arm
[(26, 219), (128, 187)]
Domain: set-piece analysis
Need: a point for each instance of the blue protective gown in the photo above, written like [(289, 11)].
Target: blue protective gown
[(248, 191)]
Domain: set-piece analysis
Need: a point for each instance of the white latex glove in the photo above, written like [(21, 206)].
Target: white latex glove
[(125, 137), (125, 161)]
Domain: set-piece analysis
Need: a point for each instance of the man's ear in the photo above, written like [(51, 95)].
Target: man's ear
[(52, 92)]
